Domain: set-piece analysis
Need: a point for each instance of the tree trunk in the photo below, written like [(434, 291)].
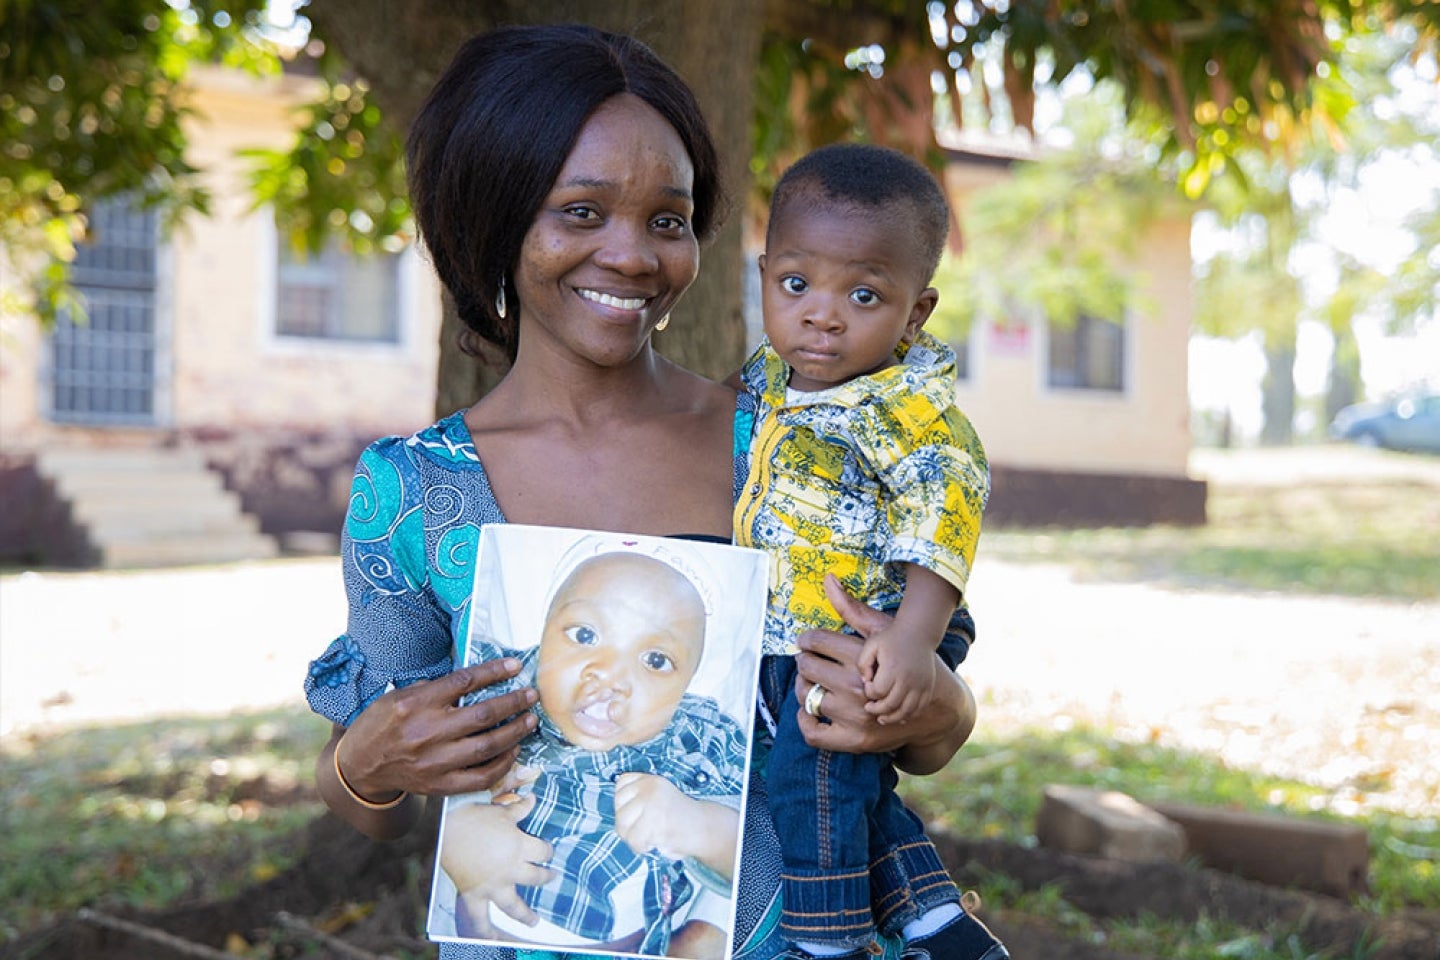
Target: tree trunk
[(1343, 387), (1277, 401), (402, 46)]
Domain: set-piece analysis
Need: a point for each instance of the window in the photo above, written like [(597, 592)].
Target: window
[(1090, 355), (336, 296), (103, 368), (962, 358)]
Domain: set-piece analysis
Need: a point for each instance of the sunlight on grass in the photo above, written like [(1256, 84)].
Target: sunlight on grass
[(994, 789), (151, 814), (1371, 540)]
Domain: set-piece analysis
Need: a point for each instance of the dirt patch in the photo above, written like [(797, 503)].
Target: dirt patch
[(351, 898)]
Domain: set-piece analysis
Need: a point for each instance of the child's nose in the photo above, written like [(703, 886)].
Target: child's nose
[(822, 314), (610, 674)]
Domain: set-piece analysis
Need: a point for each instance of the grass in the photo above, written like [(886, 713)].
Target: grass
[(188, 809), (151, 814), (1359, 540)]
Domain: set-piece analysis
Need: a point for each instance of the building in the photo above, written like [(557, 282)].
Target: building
[(271, 374), (215, 341)]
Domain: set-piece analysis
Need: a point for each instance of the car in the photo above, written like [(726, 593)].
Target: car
[(1410, 422)]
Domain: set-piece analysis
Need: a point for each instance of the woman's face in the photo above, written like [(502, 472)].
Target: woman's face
[(612, 248)]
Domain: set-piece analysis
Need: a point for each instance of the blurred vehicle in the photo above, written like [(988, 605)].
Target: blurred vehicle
[(1405, 423)]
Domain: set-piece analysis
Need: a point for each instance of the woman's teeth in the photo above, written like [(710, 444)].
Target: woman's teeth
[(619, 303)]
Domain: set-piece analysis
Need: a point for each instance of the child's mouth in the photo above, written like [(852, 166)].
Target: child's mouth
[(599, 718)]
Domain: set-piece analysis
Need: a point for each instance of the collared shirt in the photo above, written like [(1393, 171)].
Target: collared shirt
[(857, 480)]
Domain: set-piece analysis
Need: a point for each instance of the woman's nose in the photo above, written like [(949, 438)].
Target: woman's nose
[(628, 249)]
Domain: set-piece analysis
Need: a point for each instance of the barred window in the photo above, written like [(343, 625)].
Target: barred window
[(1090, 355)]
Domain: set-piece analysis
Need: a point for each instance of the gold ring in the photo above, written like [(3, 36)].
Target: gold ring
[(813, 697)]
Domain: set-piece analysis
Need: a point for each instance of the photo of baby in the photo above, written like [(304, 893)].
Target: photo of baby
[(618, 828)]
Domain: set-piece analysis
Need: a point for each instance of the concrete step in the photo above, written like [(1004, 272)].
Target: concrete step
[(111, 461), (184, 550), (142, 485), (153, 507)]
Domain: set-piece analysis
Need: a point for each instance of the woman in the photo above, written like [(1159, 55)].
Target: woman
[(563, 179)]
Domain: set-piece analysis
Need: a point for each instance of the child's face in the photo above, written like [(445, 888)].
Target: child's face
[(621, 641), (842, 286)]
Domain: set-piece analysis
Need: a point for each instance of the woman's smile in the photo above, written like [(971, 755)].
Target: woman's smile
[(610, 300)]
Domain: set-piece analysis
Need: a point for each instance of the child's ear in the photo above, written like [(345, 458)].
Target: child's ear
[(920, 312), (761, 261)]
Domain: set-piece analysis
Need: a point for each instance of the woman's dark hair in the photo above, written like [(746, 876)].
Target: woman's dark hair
[(869, 178), (493, 134)]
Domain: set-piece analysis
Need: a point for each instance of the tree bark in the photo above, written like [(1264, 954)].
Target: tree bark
[(1277, 400), (402, 46)]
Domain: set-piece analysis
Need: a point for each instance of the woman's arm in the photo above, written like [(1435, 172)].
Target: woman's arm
[(923, 744), (419, 740)]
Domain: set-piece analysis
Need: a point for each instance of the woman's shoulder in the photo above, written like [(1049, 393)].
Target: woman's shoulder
[(445, 443)]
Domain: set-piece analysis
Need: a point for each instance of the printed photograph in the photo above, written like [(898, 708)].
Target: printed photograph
[(618, 829)]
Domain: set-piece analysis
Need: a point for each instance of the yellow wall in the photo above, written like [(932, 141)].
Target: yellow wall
[(1143, 429)]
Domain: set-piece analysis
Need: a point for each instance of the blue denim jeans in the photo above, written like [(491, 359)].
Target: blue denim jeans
[(856, 859)]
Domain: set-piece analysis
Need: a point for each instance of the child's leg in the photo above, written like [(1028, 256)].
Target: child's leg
[(907, 878), (914, 897), (820, 802)]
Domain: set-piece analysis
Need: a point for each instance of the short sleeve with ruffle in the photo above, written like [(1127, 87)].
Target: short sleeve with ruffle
[(407, 552)]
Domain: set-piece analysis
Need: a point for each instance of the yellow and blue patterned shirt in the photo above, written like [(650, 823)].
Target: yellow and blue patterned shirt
[(858, 480)]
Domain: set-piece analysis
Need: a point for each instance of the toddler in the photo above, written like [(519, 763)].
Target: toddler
[(861, 467)]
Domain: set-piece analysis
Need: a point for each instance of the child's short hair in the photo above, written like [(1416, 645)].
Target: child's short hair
[(864, 175)]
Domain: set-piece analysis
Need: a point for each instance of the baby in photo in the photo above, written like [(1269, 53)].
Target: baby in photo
[(633, 779)]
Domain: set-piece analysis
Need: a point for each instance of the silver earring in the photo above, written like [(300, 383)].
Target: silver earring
[(500, 300), (664, 322)]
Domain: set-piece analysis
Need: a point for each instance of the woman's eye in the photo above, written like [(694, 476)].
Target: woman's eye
[(864, 296), (585, 636), (658, 662), (670, 224), (582, 212), (793, 284)]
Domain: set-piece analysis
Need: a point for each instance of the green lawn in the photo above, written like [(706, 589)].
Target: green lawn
[(188, 809)]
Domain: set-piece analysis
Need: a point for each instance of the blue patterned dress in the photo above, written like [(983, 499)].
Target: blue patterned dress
[(408, 553)]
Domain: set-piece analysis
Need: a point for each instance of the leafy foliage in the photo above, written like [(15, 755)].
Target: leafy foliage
[(93, 105), (343, 177)]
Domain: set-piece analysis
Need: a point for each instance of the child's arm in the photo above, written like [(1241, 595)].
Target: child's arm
[(898, 663), (651, 813)]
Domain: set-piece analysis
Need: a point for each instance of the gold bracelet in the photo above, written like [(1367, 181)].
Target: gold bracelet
[(367, 804)]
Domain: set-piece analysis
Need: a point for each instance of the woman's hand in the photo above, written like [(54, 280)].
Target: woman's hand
[(487, 855), (419, 740), (922, 745)]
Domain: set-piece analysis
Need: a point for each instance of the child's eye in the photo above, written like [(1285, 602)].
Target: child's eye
[(793, 284), (864, 296), (583, 634), (657, 661)]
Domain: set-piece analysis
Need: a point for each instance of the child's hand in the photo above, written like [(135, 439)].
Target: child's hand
[(487, 855), (899, 676), (652, 814)]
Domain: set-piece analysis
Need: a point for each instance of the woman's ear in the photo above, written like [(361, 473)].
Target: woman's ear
[(920, 311)]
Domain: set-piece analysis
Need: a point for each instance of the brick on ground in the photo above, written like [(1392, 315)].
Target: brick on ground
[(1106, 823), (1330, 858)]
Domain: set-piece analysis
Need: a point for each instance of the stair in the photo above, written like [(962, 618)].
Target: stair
[(152, 508)]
